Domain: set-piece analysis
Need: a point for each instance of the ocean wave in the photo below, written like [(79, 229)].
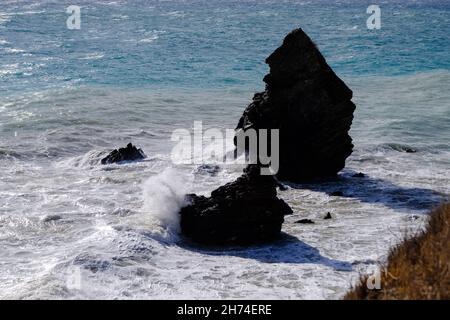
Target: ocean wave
[(120, 17), (178, 14), (9, 154), (90, 159), (14, 50), (164, 195), (93, 56), (4, 17), (410, 81), (149, 39)]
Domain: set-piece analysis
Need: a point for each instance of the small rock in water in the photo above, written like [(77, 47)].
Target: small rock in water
[(337, 194), (52, 217), (212, 170), (282, 186), (130, 153), (328, 216), (305, 221), (359, 175), (242, 212)]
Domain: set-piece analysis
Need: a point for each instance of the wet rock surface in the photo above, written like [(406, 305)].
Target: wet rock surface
[(309, 104), (130, 153), (242, 212)]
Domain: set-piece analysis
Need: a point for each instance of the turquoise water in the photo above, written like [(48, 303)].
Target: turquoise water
[(209, 44), (136, 71)]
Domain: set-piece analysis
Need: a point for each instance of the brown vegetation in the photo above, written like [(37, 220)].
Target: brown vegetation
[(418, 268)]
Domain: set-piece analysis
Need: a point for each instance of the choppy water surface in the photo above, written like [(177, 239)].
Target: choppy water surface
[(138, 70)]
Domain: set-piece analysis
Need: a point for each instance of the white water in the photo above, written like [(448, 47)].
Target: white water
[(164, 196), (116, 236)]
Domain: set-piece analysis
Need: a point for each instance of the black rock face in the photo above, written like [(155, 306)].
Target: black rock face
[(242, 212), (130, 153), (310, 106)]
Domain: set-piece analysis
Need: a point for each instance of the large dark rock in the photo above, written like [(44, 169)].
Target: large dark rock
[(241, 212), (310, 106), (130, 153)]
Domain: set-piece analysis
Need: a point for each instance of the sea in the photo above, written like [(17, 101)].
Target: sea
[(136, 71)]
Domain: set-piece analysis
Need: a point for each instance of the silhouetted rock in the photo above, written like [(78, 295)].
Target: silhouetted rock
[(328, 216), (305, 221), (244, 211), (130, 153), (359, 175), (310, 106), (337, 194)]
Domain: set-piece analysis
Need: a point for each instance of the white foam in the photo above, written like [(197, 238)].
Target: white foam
[(164, 195), (149, 39), (93, 56), (87, 160), (119, 217)]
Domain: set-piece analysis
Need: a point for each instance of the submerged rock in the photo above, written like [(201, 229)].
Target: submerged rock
[(401, 148), (310, 106), (305, 221), (208, 169), (359, 175), (130, 153), (241, 212)]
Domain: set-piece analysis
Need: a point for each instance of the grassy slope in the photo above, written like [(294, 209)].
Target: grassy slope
[(418, 268)]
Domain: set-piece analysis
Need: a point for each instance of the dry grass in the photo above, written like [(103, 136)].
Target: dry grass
[(418, 268)]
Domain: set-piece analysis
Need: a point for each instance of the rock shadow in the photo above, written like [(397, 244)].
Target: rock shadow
[(375, 190), (286, 249)]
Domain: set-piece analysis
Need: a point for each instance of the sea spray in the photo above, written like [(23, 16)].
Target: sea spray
[(164, 195)]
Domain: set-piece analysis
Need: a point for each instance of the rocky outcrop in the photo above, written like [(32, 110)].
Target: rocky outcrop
[(313, 111), (130, 153), (310, 106), (241, 212)]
